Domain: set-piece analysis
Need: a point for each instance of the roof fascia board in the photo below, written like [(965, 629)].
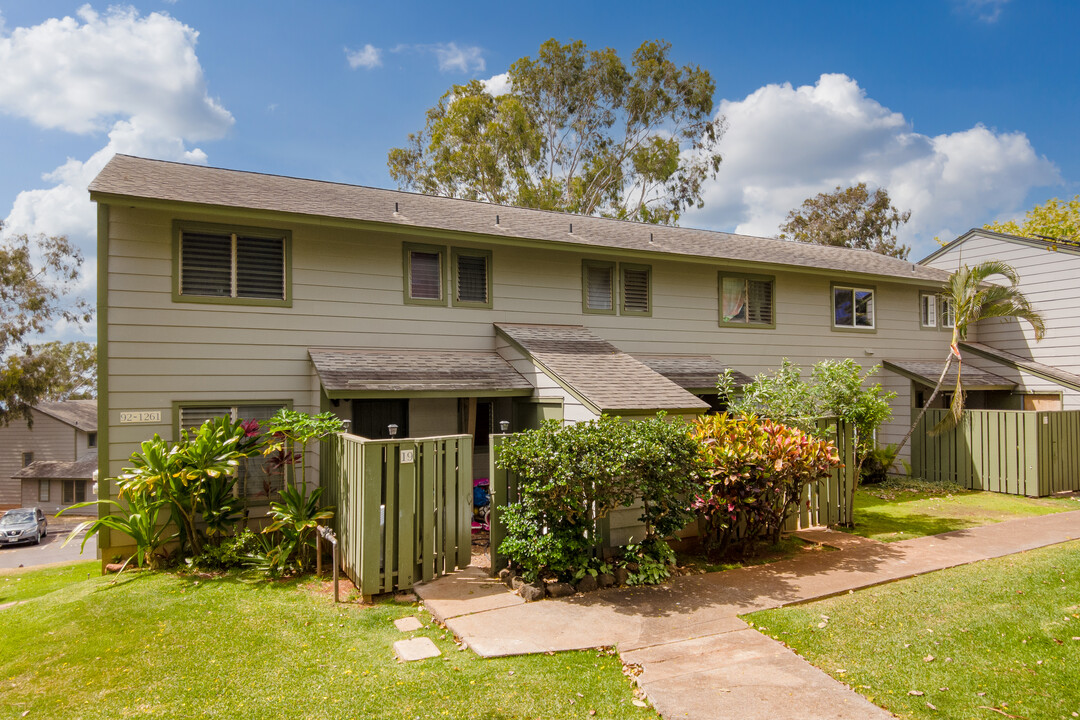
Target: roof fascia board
[(390, 394), (276, 216), (1004, 237)]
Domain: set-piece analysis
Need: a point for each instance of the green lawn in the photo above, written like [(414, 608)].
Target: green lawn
[(901, 510), (23, 585), (999, 638), (172, 646)]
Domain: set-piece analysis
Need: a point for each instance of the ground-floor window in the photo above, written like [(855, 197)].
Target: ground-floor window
[(74, 491), (43, 490), (258, 476)]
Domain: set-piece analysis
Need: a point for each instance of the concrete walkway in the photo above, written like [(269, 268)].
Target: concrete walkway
[(698, 659)]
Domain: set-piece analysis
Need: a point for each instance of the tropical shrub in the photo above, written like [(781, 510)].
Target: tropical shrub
[(138, 519), (753, 476), (661, 467), (231, 553)]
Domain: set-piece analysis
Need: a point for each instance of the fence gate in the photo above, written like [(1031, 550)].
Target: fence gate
[(403, 508)]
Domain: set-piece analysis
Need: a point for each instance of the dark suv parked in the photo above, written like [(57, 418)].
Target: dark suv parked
[(23, 525)]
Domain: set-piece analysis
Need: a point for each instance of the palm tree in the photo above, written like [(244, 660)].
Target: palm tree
[(973, 299)]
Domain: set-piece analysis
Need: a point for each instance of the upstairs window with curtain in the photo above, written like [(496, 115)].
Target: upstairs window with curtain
[(747, 300), (242, 265)]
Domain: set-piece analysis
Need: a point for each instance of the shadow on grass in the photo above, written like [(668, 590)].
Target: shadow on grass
[(904, 527)]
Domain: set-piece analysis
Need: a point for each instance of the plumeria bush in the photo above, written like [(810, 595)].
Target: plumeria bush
[(753, 477)]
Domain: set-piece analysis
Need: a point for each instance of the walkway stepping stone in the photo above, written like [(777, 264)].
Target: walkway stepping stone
[(419, 648), (408, 624)]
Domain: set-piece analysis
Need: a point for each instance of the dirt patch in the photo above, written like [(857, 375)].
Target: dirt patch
[(481, 550)]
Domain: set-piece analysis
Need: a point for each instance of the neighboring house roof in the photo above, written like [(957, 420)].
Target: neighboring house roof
[(81, 469), (1038, 369), (928, 373), (603, 377), (155, 180), (696, 373), (81, 414), (350, 371), (1069, 246)]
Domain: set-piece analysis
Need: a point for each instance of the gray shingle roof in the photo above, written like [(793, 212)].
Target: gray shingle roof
[(414, 371), (81, 469), (134, 177), (929, 372), (81, 414), (692, 372), (597, 371), (1049, 372)]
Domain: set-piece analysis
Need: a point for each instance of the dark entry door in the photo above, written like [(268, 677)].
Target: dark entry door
[(372, 418)]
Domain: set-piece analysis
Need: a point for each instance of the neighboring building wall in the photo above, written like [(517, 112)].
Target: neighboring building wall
[(55, 503), (49, 439), (1049, 280)]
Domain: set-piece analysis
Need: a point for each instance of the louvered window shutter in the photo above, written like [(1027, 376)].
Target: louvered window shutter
[(260, 267), (635, 290), (760, 296), (192, 418), (425, 276), (598, 292), (206, 264), (472, 278)]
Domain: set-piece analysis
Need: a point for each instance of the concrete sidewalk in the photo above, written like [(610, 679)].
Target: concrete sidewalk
[(698, 659)]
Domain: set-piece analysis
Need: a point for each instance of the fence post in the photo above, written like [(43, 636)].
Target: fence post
[(498, 489)]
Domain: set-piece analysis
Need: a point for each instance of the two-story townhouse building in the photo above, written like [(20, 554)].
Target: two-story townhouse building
[(233, 292), (1047, 373), (50, 464)]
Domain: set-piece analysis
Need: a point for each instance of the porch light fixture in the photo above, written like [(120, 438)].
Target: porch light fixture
[(346, 424), (392, 429), (504, 426)]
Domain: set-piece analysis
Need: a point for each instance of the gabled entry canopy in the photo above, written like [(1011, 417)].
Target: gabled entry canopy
[(927, 373)]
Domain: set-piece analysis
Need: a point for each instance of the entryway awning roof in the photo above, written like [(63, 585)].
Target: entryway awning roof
[(81, 469), (696, 373), (927, 373), (348, 372), (600, 375)]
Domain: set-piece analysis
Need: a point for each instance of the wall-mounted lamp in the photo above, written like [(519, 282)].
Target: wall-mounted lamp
[(346, 424), (504, 426), (392, 429)]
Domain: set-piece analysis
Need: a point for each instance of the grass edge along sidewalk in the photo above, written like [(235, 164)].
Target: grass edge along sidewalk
[(1000, 637)]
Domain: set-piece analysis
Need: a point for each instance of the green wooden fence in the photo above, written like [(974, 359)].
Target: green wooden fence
[(404, 507), (1008, 451), (829, 502)]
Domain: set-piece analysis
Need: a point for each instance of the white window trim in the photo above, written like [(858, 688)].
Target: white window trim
[(928, 302)]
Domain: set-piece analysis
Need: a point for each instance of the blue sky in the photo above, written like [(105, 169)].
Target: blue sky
[(964, 109)]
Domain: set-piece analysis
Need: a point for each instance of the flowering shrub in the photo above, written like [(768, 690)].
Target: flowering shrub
[(753, 475)]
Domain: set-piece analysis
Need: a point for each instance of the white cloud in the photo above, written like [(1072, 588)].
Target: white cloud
[(785, 144), (460, 59), (138, 78), (82, 76), (987, 11), (368, 56), (497, 84)]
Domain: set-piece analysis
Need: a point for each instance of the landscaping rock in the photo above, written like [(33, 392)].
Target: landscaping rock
[(621, 575), (408, 624), (531, 592), (588, 584), (560, 589), (516, 582), (404, 596), (113, 567), (605, 580)]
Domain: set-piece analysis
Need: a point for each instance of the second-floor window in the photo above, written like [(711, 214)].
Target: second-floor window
[(948, 313), (928, 310), (853, 307), (472, 277), (747, 300), (598, 279), (232, 264)]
